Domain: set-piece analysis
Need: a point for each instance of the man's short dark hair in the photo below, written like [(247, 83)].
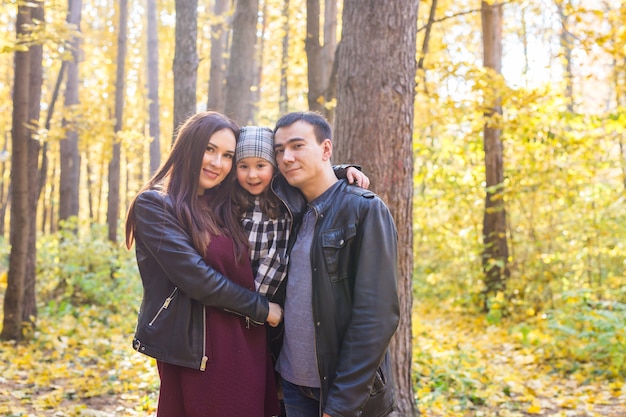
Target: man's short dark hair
[(321, 127)]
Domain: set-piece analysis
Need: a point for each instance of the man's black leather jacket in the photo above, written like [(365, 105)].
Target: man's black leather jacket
[(355, 301), (177, 284)]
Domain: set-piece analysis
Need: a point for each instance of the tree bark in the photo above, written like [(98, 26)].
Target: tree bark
[(217, 72), (240, 72), (374, 126), (70, 157), (153, 87), (185, 61), (29, 311), (495, 249), (113, 207), (19, 223)]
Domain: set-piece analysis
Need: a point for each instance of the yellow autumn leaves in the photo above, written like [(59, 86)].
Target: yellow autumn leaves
[(466, 367)]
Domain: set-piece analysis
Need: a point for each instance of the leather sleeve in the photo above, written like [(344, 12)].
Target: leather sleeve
[(165, 239), (342, 170)]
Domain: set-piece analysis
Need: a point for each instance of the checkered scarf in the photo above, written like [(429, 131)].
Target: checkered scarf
[(268, 247)]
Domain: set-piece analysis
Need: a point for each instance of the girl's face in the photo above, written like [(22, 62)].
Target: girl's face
[(254, 174), (217, 160)]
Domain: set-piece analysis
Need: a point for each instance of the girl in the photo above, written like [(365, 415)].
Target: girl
[(196, 273), (264, 217)]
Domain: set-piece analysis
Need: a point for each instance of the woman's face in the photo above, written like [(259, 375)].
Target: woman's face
[(217, 160)]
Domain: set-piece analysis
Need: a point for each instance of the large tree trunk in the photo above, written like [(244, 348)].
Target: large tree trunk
[(495, 249), (70, 157), (185, 61), (240, 73), (153, 87), (29, 311), (14, 296), (217, 72), (374, 126), (113, 207)]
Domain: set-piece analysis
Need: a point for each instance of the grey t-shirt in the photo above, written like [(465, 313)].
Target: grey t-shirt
[(297, 362)]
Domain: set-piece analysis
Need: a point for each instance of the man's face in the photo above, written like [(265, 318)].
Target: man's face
[(301, 159)]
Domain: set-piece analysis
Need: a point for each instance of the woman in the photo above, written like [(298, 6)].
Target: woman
[(200, 316)]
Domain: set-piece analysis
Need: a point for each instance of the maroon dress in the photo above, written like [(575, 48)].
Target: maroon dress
[(239, 377)]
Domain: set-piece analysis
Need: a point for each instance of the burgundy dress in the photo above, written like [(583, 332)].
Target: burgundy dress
[(239, 377)]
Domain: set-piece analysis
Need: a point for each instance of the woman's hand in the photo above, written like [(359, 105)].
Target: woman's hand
[(275, 315), (356, 177)]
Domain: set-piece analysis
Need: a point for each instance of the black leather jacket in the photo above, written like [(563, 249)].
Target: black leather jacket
[(355, 301), (177, 284)]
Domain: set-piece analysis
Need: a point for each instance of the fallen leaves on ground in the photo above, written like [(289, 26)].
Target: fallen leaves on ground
[(82, 364), (466, 367)]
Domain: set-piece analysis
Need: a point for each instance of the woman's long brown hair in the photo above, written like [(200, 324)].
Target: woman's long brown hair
[(178, 177)]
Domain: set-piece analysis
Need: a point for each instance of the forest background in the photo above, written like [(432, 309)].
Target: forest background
[(495, 131)]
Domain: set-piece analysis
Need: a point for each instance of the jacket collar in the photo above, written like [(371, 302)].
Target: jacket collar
[(321, 203)]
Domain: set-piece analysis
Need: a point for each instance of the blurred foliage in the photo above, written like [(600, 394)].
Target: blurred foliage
[(80, 355), (84, 269)]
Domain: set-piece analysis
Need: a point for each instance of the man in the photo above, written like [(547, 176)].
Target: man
[(341, 306)]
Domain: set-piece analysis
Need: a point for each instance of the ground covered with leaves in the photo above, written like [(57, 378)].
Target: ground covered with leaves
[(80, 363)]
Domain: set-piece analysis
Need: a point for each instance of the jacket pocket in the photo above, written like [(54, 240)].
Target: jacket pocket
[(335, 244), (164, 306), (379, 382)]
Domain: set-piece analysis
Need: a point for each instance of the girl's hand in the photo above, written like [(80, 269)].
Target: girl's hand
[(275, 315), (356, 177)]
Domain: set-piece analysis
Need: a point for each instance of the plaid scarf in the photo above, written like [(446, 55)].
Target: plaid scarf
[(268, 247)]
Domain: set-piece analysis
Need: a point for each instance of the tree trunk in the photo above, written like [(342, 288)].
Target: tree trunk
[(328, 57), (14, 295), (495, 249), (320, 58), (240, 73), (219, 36), (44, 156), (5, 194), (374, 126), (257, 74), (29, 311), (315, 94), (566, 48), (283, 103), (185, 61), (153, 87), (70, 158), (113, 207)]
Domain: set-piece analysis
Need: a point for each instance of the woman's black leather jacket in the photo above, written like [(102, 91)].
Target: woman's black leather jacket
[(177, 284), (355, 301)]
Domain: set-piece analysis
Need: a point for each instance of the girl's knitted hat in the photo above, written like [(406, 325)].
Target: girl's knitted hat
[(255, 142)]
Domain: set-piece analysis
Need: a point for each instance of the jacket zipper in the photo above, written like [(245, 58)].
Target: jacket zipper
[(204, 356), (165, 305), (248, 319)]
